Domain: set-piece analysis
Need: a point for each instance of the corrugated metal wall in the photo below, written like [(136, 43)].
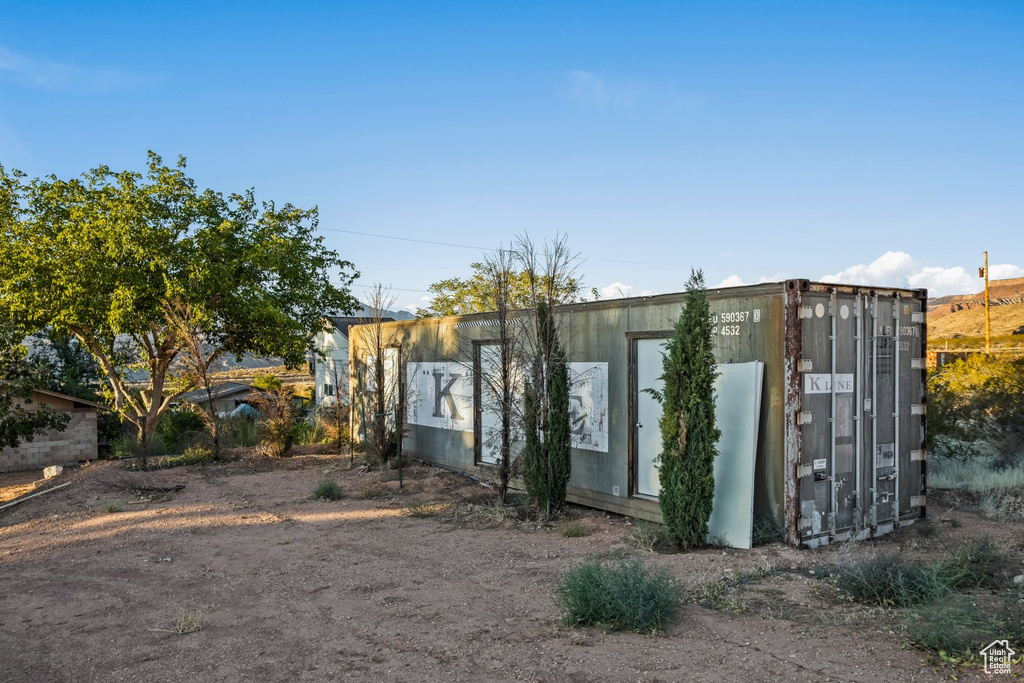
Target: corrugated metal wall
[(817, 433)]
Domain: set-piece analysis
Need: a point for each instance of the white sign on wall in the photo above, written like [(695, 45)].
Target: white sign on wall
[(588, 405), (440, 395), (822, 383)]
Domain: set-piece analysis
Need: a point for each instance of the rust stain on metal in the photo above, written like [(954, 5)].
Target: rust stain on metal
[(792, 348)]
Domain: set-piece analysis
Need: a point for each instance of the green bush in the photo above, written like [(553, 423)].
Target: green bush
[(278, 436), (574, 530), (648, 535), (123, 447), (193, 455), (241, 431), (179, 429), (963, 624), (894, 582), (628, 595), (766, 530), (307, 433), (975, 400), (890, 582), (327, 489), (129, 447)]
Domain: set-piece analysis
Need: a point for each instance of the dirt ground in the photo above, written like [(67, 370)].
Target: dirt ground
[(287, 588)]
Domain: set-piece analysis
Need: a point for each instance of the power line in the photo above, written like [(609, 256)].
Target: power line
[(407, 239), (467, 246)]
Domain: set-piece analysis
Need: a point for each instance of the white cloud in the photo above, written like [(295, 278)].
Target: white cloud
[(46, 74), (619, 290), (626, 95), (899, 269), (731, 281)]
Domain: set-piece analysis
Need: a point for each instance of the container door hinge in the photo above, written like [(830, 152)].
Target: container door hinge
[(917, 501), (917, 455), (804, 418), (804, 471), (804, 365), (918, 317), (918, 409), (806, 312), (918, 364)]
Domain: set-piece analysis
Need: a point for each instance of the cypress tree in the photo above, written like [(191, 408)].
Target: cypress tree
[(559, 436), (547, 454), (688, 430)]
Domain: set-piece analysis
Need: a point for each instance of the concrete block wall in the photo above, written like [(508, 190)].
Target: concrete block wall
[(77, 443)]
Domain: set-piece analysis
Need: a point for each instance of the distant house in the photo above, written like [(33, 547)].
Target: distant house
[(77, 443), (226, 397), (331, 371)]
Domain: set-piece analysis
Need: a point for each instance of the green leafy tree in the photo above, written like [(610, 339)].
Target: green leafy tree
[(476, 294), (975, 400), (70, 367), (688, 430), (19, 420), (104, 257)]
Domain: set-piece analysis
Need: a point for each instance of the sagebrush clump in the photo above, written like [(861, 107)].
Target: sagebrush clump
[(627, 595), (327, 489)]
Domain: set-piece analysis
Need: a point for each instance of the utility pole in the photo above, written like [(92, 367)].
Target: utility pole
[(983, 272)]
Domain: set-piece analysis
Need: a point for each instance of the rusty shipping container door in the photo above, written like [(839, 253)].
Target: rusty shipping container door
[(861, 417)]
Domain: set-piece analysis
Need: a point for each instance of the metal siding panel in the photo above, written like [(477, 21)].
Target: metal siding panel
[(598, 332)]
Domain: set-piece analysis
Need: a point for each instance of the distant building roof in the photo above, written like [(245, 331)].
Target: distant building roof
[(74, 399), (342, 323), (218, 392)]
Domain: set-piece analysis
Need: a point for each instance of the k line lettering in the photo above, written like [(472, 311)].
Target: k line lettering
[(822, 383)]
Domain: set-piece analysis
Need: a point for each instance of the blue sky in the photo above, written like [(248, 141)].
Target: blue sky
[(879, 143)]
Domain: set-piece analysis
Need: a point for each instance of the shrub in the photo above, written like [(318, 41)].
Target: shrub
[(963, 624), (972, 567), (278, 424), (890, 582), (123, 447), (574, 530), (627, 595), (180, 428), (893, 582), (307, 433), (333, 418), (422, 511), (327, 489), (647, 535), (130, 447), (766, 530), (979, 397), (111, 508), (925, 528), (241, 431), (193, 455)]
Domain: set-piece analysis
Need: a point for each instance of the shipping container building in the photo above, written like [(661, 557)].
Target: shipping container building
[(821, 403)]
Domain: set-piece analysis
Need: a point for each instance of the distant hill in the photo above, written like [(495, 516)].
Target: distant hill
[(963, 316), (397, 315), (1000, 293)]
